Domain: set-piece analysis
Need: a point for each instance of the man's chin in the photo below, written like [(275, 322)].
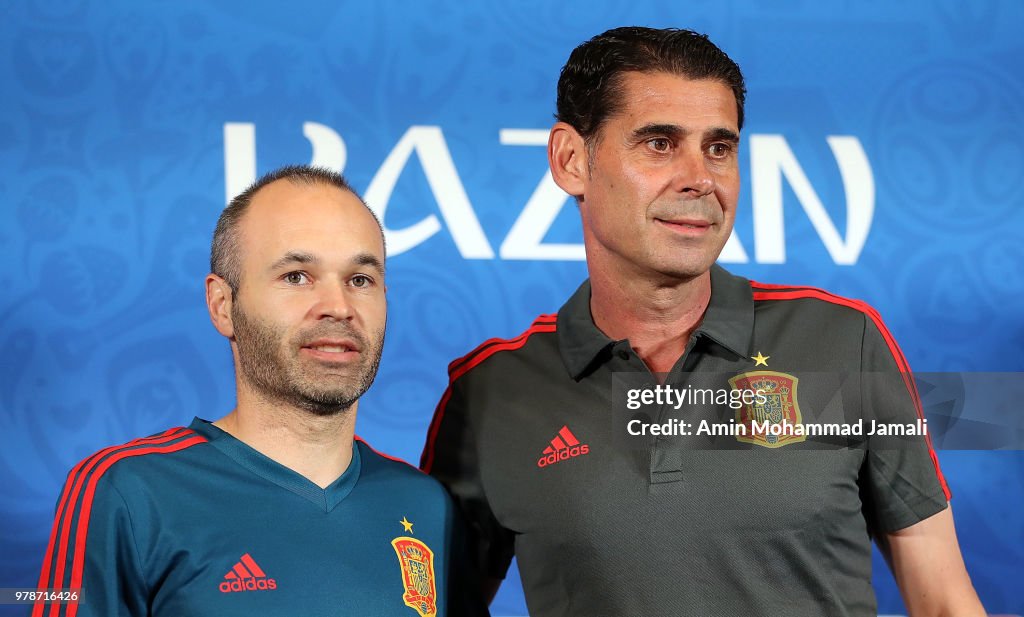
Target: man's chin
[(329, 401), (683, 272), (679, 263), (325, 406)]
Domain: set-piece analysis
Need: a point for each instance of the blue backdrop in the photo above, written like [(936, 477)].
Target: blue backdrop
[(883, 159)]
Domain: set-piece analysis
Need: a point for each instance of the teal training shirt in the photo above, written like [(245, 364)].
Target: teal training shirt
[(194, 522)]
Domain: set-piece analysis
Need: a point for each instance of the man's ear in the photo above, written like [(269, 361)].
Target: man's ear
[(567, 157), (218, 303)]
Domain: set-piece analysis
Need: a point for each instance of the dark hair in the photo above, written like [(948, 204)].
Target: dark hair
[(224, 249), (590, 86)]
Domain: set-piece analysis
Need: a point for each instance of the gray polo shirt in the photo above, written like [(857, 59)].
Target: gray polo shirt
[(530, 440)]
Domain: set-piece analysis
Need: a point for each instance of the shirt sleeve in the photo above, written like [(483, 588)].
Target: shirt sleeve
[(451, 456), (92, 548), (901, 480)]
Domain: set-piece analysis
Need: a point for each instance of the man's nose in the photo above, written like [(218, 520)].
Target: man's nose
[(692, 176), (333, 301)]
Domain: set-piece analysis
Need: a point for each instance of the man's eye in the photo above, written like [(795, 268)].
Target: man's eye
[(719, 150), (660, 144), (361, 280), (295, 278)]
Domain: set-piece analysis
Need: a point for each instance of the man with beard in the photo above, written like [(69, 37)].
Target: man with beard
[(275, 508), (532, 440)]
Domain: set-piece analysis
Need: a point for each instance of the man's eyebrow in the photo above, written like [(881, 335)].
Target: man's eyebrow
[(658, 130), (294, 257), (675, 131), (366, 259), (299, 257), (723, 134)]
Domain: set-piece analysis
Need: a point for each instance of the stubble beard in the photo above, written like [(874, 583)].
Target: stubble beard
[(279, 377)]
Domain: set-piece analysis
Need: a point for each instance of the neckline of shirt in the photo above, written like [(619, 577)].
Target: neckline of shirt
[(265, 467)]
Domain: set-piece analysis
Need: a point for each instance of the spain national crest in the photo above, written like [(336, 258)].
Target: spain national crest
[(417, 562), (765, 422)]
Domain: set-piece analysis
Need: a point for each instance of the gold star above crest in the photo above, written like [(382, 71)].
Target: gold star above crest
[(406, 524), (760, 360)]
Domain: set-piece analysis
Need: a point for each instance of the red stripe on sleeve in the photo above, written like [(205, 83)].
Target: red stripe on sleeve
[(515, 343), (458, 368), (549, 319), (87, 501), (427, 460), (64, 513), (780, 293)]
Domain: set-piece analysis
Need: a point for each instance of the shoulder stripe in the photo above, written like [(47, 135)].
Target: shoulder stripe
[(87, 474), (780, 292), (83, 518), (74, 488), (71, 486), (458, 368), (548, 319)]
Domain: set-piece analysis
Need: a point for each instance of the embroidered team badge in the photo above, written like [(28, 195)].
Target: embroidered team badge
[(766, 422), (417, 562)]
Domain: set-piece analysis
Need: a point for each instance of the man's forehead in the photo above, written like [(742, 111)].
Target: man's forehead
[(285, 215)]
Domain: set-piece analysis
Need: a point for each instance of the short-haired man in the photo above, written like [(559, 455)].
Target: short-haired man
[(526, 436), (276, 508)]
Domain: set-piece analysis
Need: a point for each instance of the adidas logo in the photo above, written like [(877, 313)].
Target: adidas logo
[(563, 447), (246, 576)]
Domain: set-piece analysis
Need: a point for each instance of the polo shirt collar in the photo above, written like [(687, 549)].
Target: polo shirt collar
[(728, 321)]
